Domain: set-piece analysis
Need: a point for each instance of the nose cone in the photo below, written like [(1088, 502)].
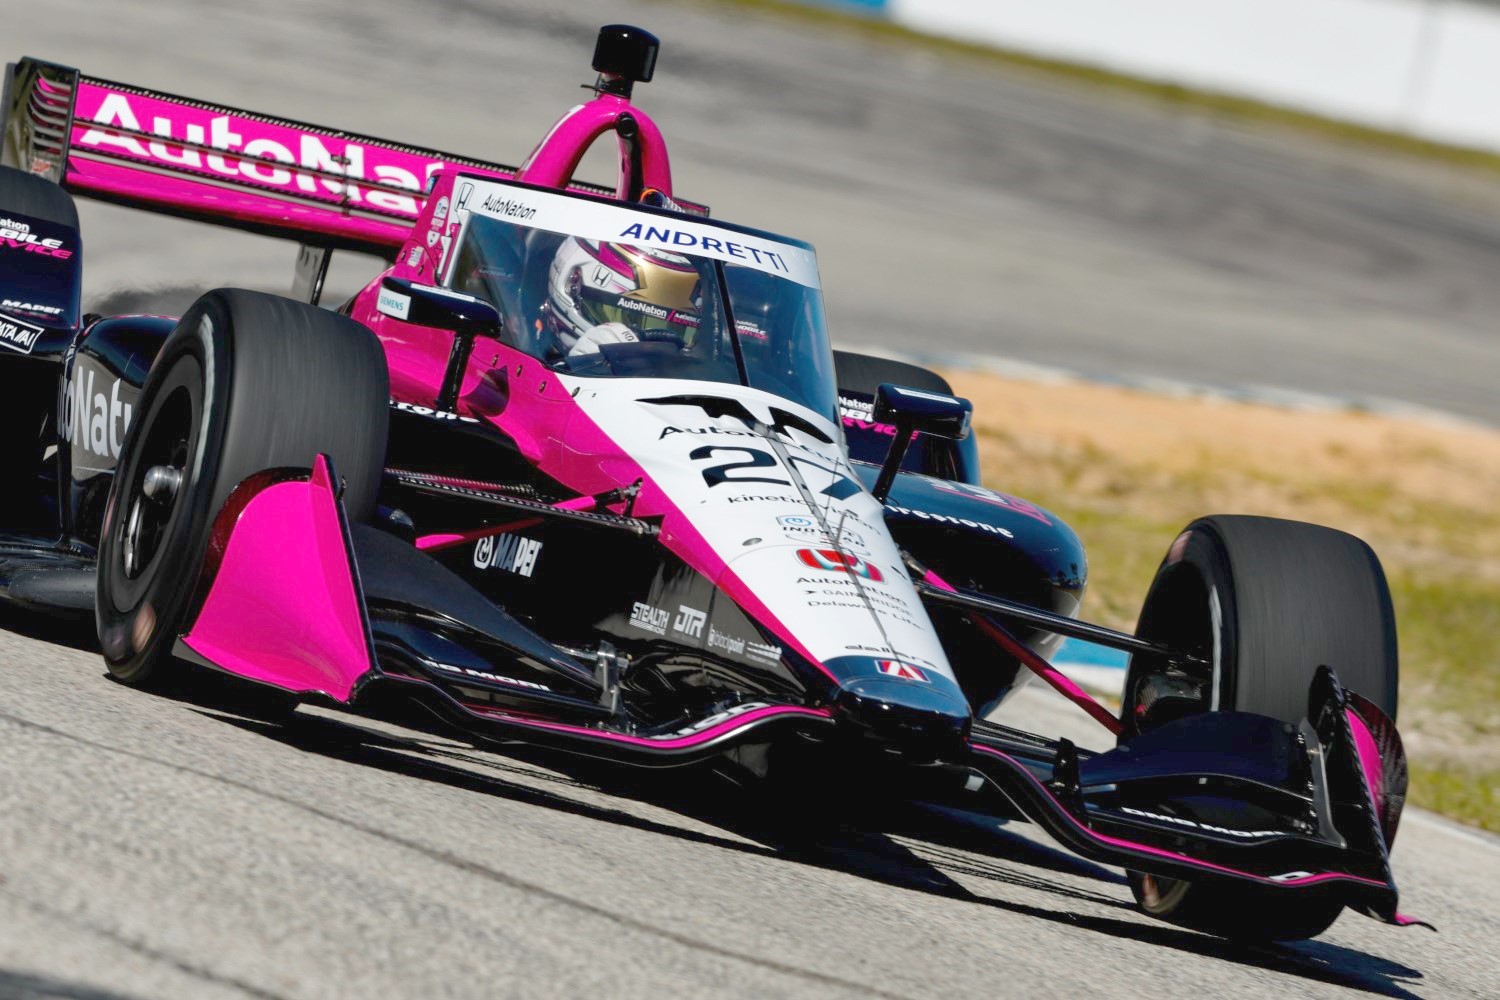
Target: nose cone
[(920, 720)]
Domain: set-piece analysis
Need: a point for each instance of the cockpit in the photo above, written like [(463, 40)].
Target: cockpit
[(599, 289)]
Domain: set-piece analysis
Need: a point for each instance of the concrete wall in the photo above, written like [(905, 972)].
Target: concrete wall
[(1430, 67)]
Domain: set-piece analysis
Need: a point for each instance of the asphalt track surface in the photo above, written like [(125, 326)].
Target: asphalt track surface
[(157, 847)]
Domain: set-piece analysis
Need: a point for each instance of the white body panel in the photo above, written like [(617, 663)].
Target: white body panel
[(740, 490)]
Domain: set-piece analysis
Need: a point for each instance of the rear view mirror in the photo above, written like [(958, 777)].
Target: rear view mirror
[(428, 305), (913, 410), (929, 412)]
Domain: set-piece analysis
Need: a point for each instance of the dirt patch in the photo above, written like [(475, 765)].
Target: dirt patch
[(1420, 491)]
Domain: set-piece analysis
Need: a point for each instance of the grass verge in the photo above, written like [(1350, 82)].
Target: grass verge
[(1129, 469), (1206, 102)]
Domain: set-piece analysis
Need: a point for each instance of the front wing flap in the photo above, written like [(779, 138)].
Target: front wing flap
[(1227, 797)]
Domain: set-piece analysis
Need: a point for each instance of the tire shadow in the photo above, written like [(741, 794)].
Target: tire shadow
[(16, 985), (72, 629)]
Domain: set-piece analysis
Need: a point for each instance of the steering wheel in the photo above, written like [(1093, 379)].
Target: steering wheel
[(661, 337)]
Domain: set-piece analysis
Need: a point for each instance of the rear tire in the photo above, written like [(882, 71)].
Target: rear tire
[(861, 375), (1266, 601), (25, 194), (246, 382)]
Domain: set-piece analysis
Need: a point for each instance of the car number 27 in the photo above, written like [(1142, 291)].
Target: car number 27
[(747, 460)]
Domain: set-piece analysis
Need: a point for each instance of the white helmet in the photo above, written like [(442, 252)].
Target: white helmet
[(653, 293)]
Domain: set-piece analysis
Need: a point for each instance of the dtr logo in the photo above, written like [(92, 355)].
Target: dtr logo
[(689, 621)]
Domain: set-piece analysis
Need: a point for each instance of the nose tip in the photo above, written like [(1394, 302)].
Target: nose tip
[(918, 720)]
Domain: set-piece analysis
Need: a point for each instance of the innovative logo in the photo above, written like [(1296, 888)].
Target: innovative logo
[(804, 528), (839, 562), (905, 671)]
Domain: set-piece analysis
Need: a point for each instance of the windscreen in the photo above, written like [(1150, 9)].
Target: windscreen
[(665, 298)]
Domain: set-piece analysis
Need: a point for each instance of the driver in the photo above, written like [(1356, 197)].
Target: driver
[(616, 293)]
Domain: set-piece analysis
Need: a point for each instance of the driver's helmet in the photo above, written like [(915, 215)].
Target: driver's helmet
[(631, 292)]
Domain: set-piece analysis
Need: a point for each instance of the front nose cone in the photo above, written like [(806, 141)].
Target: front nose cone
[(918, 720)]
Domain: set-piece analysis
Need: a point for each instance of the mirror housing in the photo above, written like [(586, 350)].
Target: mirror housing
[(428, 305), (913, 410), (929, 412)]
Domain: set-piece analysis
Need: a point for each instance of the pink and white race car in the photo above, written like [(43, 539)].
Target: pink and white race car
[(580, 468)]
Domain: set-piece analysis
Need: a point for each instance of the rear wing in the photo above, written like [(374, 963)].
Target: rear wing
[(323, 187)]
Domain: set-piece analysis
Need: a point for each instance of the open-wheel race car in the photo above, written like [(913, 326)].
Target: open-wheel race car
[(581, 469)]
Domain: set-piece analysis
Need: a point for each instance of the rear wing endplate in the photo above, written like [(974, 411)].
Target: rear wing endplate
[(324, 188)]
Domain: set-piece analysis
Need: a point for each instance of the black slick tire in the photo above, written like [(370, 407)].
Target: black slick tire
[(247, 382), (1266, 601), (863, 373), (24, 194)]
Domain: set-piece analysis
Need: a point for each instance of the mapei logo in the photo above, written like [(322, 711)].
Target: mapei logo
[(31, 307), (511, 553), (95, 419), (839, 562), (905, 671)]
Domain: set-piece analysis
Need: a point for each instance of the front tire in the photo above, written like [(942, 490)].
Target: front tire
[(1266, 602), (246, 382)]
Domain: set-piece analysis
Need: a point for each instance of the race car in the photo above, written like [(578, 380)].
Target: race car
[(580, 468)]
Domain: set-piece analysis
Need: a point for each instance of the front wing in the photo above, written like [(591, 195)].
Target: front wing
[(1228, 796)]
